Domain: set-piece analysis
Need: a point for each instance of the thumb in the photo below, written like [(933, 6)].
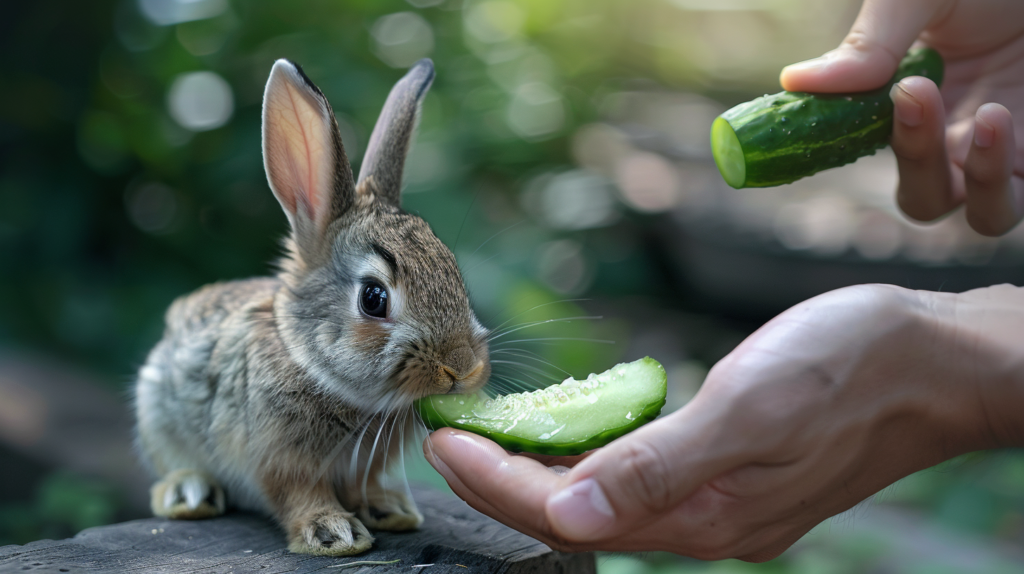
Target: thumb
[(638, 477), (869, 55)]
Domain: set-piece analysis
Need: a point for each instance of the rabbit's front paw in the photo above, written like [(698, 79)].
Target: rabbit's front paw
[(332, 533), (394, 514), (187, 494)]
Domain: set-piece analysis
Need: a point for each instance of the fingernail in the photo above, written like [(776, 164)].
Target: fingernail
[(812, 65), (435, 461), (428, 453), (580, 512), (984, 134), (908, 110)]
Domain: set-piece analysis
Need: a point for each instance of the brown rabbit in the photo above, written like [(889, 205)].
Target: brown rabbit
[(261, 391)]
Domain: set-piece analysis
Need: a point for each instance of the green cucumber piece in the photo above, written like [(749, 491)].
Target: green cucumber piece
[(780, 138), (569, 418)]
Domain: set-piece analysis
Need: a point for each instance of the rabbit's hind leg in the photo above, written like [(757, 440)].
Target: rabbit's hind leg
[(314, 519), (187, 494), (384, 506), (390, 510)]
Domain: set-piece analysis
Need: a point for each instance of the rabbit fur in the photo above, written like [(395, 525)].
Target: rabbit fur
[(262, 391)]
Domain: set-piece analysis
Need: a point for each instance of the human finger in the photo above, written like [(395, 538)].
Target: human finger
[(464, 492), (512, 489), (993, 194), (925, 191), (643, 475), (468, 494), (492, 481), (870, 52)]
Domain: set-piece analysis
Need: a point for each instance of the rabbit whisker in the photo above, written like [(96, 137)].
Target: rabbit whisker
[(510, 389), (331, 458), (511, 328), (511, 385), (369, 459), (478, 264), (543, 339), (536, 323), (535, 307), (531, 368), (524, 354), (526, 385), (465, 218), (353, 467), (502, 389), (387, 452), (509, 228), (401, 453), (399, 428)]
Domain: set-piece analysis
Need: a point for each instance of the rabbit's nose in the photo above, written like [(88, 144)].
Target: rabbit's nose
[(453, 377), (459, 371), (460, 363)]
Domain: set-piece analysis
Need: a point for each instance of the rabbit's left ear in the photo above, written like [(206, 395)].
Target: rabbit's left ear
[(305, 161), (381, 172)]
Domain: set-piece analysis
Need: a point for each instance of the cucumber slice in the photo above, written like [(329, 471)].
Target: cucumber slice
[(780, 138), (569, 418)]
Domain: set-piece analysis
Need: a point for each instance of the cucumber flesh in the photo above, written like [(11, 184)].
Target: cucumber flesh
[(569, 418), (728, 153), (780, 138)]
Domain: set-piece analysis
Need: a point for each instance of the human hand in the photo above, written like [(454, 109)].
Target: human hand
[(822, 407), (965, 146)]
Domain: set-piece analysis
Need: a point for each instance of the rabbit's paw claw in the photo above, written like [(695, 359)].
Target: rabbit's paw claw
[(331, 534), (187, 494)]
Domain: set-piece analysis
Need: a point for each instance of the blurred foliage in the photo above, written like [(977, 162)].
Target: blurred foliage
[(109, 207), (64, 504)]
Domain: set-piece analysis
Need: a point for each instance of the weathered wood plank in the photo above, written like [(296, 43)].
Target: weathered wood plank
[(453, 539)]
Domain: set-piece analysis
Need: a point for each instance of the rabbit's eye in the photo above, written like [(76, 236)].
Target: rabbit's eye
[(373, 300)]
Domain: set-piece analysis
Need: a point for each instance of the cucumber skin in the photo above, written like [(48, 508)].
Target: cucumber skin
[(791, 135), (435, 421)]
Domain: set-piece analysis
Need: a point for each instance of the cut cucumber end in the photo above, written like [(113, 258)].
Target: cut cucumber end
[(728, 153)]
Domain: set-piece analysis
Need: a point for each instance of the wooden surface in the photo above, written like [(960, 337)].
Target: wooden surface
[(453, 539)]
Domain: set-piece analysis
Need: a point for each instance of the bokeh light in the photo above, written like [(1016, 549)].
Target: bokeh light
[(167, 12), (200, 101), (648, 182), (401, 39), (151, 206), (536, 111), (494, 21)]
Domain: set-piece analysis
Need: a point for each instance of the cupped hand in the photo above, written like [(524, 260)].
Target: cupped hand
[(822, 407), (964, 145)]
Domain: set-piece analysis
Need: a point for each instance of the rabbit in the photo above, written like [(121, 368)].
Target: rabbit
[(261, 391)]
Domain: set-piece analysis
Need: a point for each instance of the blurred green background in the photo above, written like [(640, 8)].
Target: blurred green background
[(562, 154)]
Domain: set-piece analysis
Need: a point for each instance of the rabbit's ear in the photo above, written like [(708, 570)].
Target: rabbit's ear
[(381, 172), (305, 161)]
